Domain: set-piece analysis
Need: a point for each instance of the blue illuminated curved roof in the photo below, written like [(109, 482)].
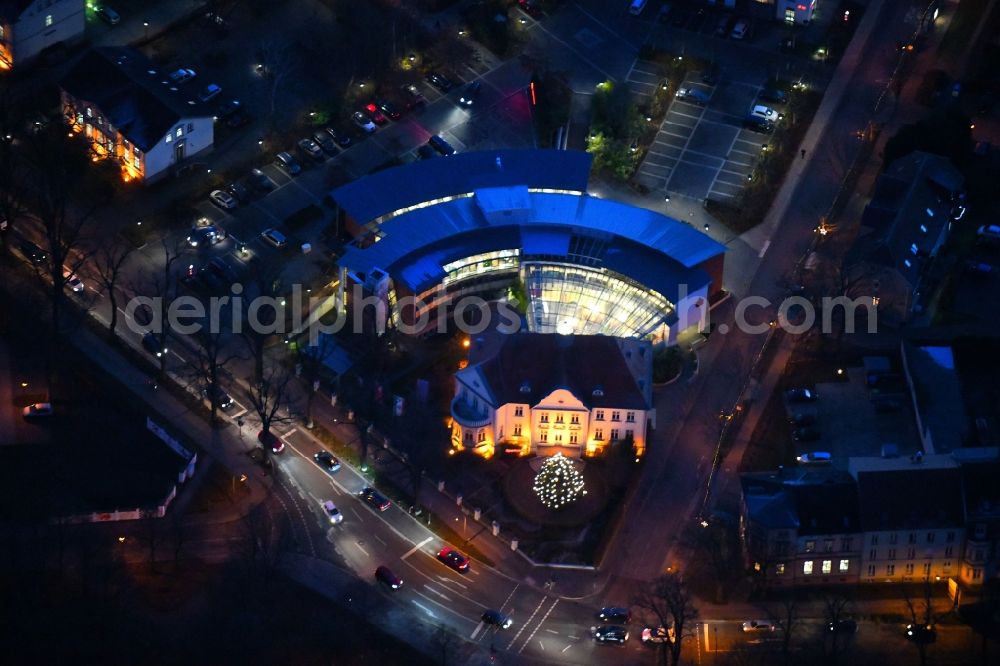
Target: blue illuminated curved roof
[(401, 187)]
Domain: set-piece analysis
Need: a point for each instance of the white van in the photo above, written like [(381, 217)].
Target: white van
[(636, 7)]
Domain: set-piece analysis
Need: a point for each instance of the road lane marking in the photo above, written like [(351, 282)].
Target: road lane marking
[(417, 547), (361, 549), (475, 632), (552, 631), (575, 638), (567, 647), (539, 626), (528, 621), (444, 579), (509, 596), (541, 644), (379, 539), (355, 512), (433, 591), (763, 250)]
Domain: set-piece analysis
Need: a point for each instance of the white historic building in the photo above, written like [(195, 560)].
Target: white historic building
[(132, 113), (28, 27), (545, 393)]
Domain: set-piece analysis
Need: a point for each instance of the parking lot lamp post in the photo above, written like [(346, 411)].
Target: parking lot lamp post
[(145, 27)]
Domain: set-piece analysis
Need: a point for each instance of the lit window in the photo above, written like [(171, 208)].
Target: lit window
[(599, 434), (909, 569), (630, 417), (827, 566), (90, 112), (913, 248), (810, 546), (614, 434), (544, 436), (807, 567), (930, 213), (599, 415), (779, 569), (137, 162), (890, 570), (519, 411), (845, 565), (48, 20), (517, 431), (179, 132), (923, 228), (906, 262), (170, 138)]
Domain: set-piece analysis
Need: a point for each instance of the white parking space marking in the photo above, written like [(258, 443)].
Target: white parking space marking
[(566, 648), (417, 547), (362, 549), (475, 632)]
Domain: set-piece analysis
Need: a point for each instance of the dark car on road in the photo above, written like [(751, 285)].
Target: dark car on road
[(425, 152), (454, 559), (439, 81), (921, 633), (33, 253), (755, 124), (327, 461), (611, 634), (800, 419), (842, 627), (206, 236), (497, 619), (389, 109), (373, 497), (287, 163), (414, 98), (469, 93), (228, 109), (153, 345), (385, 576), (614, 615), (222, 400), (239, 190)]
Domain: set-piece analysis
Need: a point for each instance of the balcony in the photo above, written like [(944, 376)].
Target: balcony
[(468, 416)]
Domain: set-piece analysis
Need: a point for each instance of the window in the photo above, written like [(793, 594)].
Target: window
[(190, 127), (810, 546), (913, 248), (846, 543), (947, 551), (909, 569), (574, 419), (180, 132), (630, 417), (892, 553), (828, 546), (616, 416), (827, 566), (519, 410), (977, 555), (892, 539), (910, 553), (481, 436), (544, 418), (930, 537), (927, 569), (48, 20), (558, 437), (874, 539), (90, 112), (950, 537), (873, 554), (871, 569), (906, 262), (912, 538), (923, 228), (976, 574), (807, 567), (614, 433), (170, 137), (947, 565), (845, 565), (890, 570), (137, 161), (543, 436), (980, 531), (467, 436), (599, 434), (517, 431), (599, 415), (559, 418), (629, 434), (779, 569), (572, 438)]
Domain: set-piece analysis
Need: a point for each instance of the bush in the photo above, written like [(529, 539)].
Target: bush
[(667, 364)]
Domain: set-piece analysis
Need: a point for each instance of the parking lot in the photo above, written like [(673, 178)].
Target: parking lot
[(704, 151)]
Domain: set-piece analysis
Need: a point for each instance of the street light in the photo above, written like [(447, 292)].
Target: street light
[(145, 26)]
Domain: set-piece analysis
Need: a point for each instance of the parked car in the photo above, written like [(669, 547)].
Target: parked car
[(374, 498), (765, 113), (341, 138), (469, 93), (37, 410), (327, 461), (364, 122), (816, 457), (657, 635), (332, 512), (274, 238), (223, 199), (384, 575), (259, 181), (311, 149), (611, 633), (239, 190), (636, 7), (152, 344), (287, 163), (108, 15), (270, 441), (921, 633), (389, 109), (694, 95), (758, 625), (325, 142), (843, 627), (73, 283), (205, 236), (453, 559), (756, 124), (496, 619), (773, 95), (182, 75), (439, 144), (215, 393), (425, 152), (414, 98), (375, 114), (806, 434), (228, 109), (210, 92), (800, 395), (439, 81), (33, 253), (614, 615), (259, 456)]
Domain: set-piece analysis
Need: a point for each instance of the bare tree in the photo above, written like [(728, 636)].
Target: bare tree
[(13, 178), (161, 285), (151, 534), (835, 610), (209, 363), (922, 617), (672, 604), (269, 395), (786, 614), (274, 65), (256, 329), (108, 264), (265, 540), (313, 361), (446, 642)]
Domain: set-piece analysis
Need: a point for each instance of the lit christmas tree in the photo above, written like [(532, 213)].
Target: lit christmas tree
[(558, 482)]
